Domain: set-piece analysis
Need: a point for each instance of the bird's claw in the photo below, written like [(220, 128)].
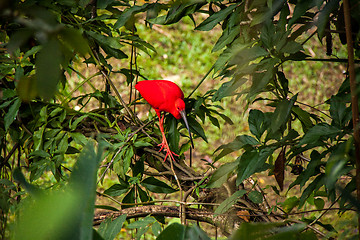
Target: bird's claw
[(168, 151)]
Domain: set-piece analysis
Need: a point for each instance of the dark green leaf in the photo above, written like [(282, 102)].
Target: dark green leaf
[(144, 197), (282, 113), (257, 123), (156, 229), (300, 9), (174, 231), (73, 38), (196, 128), (290, 203), (338, 111), (20, 178), (174, 134), (237, 144), (221, 174), (304, 117), (117, 189), (195, 233), (83, 181), (129, 198), (180, 9), (324, 15), (128, 14), (229, 88), (156, 186), (215, 18), (320, 131), (109, 229), (251, 162), (106, 207), (263, 231), (319, 203), (229, 202), (141, 223), (312, 169), (11, 114), (255, 197), (48, 72), (313, 186)]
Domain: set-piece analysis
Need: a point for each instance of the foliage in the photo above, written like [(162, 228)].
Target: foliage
[(46, 123)]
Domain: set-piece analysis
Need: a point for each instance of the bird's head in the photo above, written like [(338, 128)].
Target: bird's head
[(180, 112)]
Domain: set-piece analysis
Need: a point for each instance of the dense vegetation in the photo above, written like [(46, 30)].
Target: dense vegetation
[(71, 130)]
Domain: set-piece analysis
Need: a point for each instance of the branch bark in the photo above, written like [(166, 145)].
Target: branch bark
[(354, 99), (173, 211)]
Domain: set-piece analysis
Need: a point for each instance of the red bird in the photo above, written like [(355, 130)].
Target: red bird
[(164, 96)]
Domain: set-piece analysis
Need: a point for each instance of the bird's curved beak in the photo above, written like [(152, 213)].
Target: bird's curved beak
[(183, 115)]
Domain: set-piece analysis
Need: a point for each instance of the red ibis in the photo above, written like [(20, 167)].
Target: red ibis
[(164, 96)]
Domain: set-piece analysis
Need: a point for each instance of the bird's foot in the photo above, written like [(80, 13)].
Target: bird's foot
[(170, 153)]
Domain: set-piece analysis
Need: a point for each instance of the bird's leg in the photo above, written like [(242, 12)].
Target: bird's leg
[(164, 144)]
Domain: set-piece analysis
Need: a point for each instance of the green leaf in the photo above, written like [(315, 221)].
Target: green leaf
[(73, 39), (257, 123), (196, 128), (338, 111), (313, 186), (156, 229), (117, 189), (195, 233), (83, 181), (304, 117), (291, 47), (109, 229), (65, 213), (216, 18), (144, 197), (229, 202), (154, 185), (282, 113), (319, 203), (300, 9), (271, 231), (79, 138), (237, 144), (290, 203), (20, 178), (129, 198), (48, 72), (324, 15), (11, 114), (228, 54), (128, 14), (106, 207), (180, 9), (267, 34), (141, 223), (229, 88), (256, 197), (221, 174), (173, 134), (319, 132), (174, 231), (251, 162), (73, 125), (260, 81)]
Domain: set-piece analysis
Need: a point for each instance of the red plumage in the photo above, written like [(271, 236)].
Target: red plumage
[(164, 96), (161, 95)]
